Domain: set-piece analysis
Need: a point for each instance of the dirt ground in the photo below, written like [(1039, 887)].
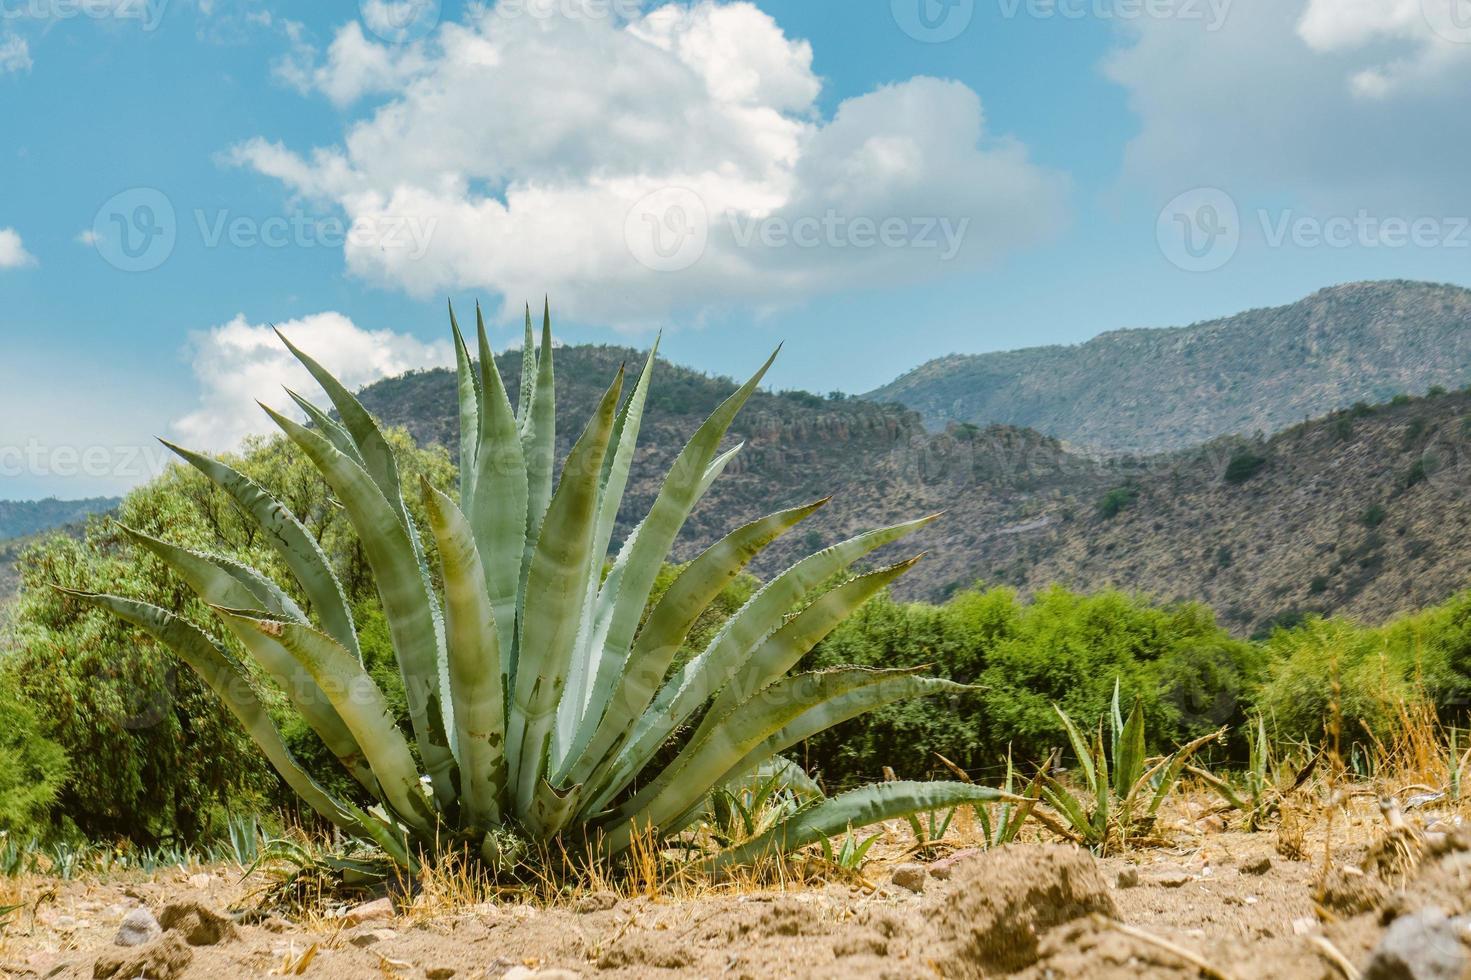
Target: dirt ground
[(1219, 904)]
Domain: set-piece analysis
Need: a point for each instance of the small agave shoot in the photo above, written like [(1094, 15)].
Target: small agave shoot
[(539, 695)]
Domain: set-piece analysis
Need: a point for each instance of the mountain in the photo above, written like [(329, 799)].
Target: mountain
[(20, 518), (1360, 512), (1162, 389)]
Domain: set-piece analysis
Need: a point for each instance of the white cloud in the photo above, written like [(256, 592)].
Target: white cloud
[(526, 141), (1344, 104), (15, 54), (13, 254), (238, 363), (86, 237)]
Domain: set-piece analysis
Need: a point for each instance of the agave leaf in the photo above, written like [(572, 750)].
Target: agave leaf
[(539, 445), (1080, 749), (217, 588), (474, 664), (706, 763), (528, 371), (638, 565), (859, 808), (500, 502), (328, 426), (555, 588), (1102, 790), (232, 684), (668, 624), (701, 677), (269, 596), (796, 638), (1129, 752), (361, 705), (377, 456), (588, 668), (468, 391), (411, 611), (1165, 774), (297, 548), (891, 687)]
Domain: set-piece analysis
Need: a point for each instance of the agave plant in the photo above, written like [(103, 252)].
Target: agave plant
[(541, 687), (1120, 806)]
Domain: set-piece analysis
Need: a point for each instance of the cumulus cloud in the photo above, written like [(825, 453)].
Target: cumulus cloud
[(13, 254), (532, 144), (239, 363), (1344, 103)]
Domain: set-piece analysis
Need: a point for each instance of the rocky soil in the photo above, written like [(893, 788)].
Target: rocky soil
[(1392, 905)]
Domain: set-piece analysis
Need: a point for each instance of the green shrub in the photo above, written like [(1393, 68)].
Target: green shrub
[(1374, 516), (1243, 466), (32, 771), (155, 755), (1401, 399), (1116, 501)]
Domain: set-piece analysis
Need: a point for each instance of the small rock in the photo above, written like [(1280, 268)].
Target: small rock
[(138, 928), (63, 923), (201, 881), (596, 902), (1307, 925), (164, 960), (275, 924), (910, 876), (198, 925), (1257, 866), (942, 869), (1128, 878), (439, 972), (369, 912), (1423, 946), (1169, 878), (371, 937)]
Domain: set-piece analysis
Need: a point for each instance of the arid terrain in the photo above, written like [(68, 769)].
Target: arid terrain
[(1213, 903)]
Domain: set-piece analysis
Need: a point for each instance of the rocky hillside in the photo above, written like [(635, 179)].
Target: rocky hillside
[(1167, 389), (19, 518), (1361, 512)]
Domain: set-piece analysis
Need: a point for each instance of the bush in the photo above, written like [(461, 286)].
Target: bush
[(32, 771), (1062, 647), (1243, 466), (1374, 516), (1116, 501), (155, 755)]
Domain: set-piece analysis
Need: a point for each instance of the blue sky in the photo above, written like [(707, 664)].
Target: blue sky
[(872, 186)]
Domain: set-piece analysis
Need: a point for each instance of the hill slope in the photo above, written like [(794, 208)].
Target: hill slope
[(1362, 513), (20, 518), (1165, 389)]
